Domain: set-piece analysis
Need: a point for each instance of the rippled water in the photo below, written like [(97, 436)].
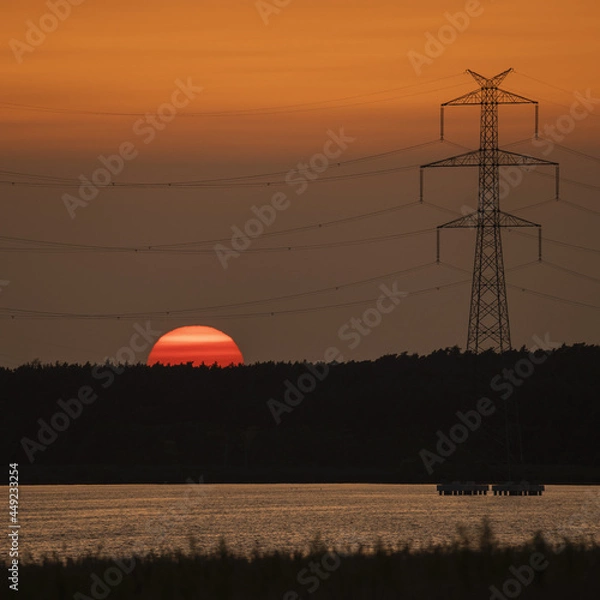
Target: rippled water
[(76, 520)]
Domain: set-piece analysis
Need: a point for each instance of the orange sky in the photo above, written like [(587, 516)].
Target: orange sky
[(117, 56), (120, 56)]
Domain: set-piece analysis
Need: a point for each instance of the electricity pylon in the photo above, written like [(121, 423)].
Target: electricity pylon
[(488, 318)]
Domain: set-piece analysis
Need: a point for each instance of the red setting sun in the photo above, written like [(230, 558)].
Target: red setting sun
[(195, 344)]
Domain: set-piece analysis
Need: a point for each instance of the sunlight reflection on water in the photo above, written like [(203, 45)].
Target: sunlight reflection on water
[(119, 519)]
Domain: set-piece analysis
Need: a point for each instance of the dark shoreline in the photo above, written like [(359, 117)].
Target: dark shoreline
[(445, 417), (186, 474)]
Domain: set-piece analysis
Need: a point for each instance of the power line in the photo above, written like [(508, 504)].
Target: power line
[(290, 108), (543, 174), (509, 270), (241, 180), (542, 261), (546, 240), (559, 201), (38, 180), (554, 298), (255, 180), (570, 271), (551, 85), (577, 152), (228, 183), (536, 205), (561, 146), (543, 82), (526, 290), (58, 249), (579, 207), (157, 247), (241, 304), (565, 106), (183, 248), (557, 242), (12, 313), (440, 208)]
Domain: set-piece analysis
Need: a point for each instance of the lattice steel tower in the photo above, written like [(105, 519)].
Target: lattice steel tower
[(488, 318)]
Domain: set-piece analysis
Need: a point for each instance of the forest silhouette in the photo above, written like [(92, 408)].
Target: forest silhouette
[(366, 421)]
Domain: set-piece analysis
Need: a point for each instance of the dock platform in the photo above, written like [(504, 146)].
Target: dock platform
[(462, 489), (510, 488), (518, 489)]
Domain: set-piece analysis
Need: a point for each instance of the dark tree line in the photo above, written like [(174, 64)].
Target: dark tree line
[(356, 421)]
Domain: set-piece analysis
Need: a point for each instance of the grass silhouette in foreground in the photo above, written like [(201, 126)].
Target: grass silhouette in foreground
[(467, 567)]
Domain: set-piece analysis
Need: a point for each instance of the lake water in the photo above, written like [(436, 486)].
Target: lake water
[(120, 519)]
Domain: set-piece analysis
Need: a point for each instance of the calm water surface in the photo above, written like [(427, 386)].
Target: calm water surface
[(117, 520)]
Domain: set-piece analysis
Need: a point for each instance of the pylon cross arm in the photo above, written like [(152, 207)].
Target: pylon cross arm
[(468, 221), (498, 219), (508, 220), (469, 99), (489, 81), (506, 158), (469, 159), (504, 97), (478, 218), (500, 97)]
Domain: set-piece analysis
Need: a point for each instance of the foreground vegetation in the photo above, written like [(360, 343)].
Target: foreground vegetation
[(464, 569)]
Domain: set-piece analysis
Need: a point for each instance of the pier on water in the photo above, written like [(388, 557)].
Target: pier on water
[(462, 489), (518, 489), (456, 488)]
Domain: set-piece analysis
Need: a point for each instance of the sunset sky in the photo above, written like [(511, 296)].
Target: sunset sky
[(270, 94)]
